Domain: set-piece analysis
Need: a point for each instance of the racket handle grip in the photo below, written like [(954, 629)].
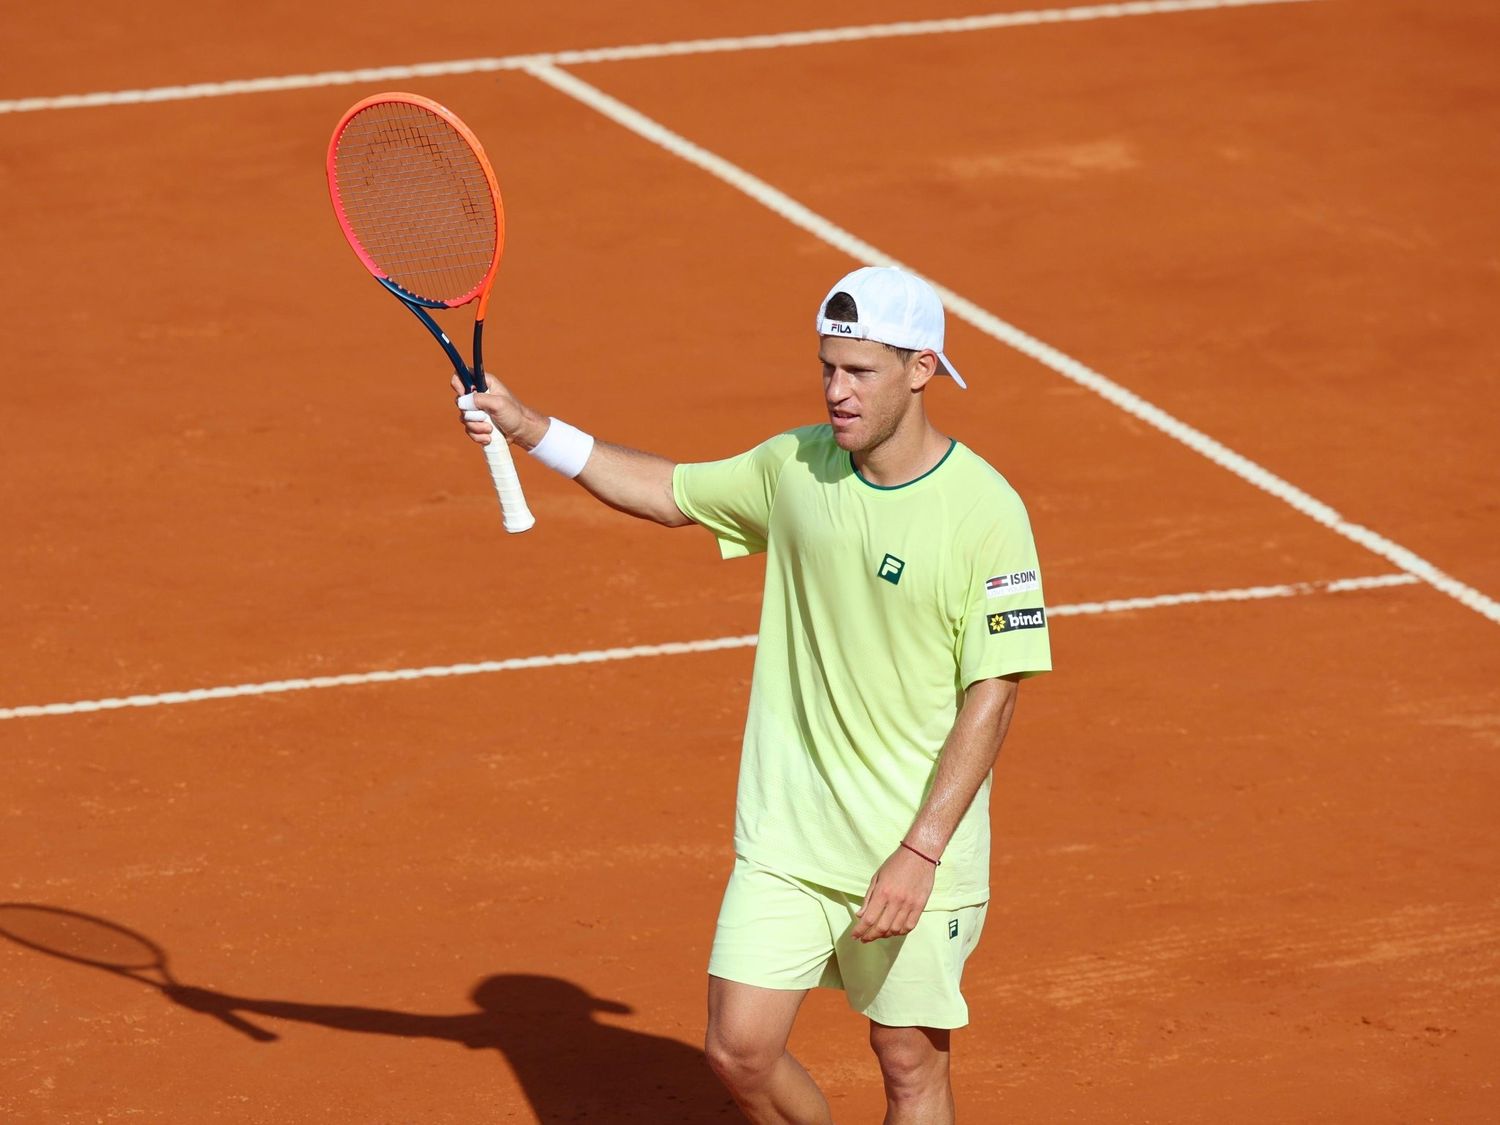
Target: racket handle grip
[(513, 509)]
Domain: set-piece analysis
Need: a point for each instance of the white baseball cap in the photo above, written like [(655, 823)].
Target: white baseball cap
[(891, 307)]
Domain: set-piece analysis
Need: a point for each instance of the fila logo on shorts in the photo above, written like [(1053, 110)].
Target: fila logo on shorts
[(1017, 582), (1013, 619), (890, 569)]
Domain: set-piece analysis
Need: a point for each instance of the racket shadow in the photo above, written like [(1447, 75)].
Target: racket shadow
[(85, 939), (571, 1066)]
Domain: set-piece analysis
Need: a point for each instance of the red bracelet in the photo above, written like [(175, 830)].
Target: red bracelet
[(928, 858)]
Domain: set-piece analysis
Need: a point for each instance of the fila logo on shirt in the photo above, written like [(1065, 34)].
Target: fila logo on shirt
[(890, 569), (1013, 619), (1016, 582)]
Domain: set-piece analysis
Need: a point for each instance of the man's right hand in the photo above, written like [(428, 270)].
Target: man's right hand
[(625, 479), (497, 409)]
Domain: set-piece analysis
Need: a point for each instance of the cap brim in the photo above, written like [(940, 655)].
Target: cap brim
[(951, 370)]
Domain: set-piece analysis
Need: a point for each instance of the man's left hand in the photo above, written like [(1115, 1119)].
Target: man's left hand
[(897, 894)]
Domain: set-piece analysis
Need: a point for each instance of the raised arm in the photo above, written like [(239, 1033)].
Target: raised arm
[(628, 480)]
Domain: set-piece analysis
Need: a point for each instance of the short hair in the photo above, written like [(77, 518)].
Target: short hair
[(841, 307)]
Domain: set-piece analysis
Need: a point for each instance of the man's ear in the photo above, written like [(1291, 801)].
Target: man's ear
[(923, 366)]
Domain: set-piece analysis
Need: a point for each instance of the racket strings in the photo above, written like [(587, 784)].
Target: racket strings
[(418, 200)]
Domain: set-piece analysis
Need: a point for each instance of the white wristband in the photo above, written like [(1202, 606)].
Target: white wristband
[(564, 448)]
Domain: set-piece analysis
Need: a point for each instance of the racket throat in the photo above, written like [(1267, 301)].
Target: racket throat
[(479, 381), (416, 305)]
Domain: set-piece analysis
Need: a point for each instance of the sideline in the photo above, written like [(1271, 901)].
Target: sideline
[(991, 325)]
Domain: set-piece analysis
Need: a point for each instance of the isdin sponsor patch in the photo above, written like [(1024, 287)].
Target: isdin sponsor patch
[(1011, 620), (1016, 582)]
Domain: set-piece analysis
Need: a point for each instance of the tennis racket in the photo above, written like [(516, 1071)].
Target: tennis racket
[(416, 198), (86, 940)]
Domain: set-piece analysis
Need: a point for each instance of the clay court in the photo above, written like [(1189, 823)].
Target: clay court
[(447, 812)]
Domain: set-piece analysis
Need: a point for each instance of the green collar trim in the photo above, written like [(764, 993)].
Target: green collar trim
[(952, 445)]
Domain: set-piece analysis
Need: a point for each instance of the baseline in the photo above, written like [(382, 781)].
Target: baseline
[(993, 326), (848, 34), (671, 648)]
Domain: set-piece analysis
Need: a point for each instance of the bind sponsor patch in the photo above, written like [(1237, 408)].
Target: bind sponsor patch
[(1017, 582), (1011, 620)]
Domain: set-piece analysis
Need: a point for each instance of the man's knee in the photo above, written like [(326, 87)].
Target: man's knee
[(913, 1060), (747, 1032), (741, 1058)]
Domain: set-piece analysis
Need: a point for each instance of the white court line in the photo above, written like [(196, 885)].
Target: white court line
[(905, 29), (990, 324), (1244, 594), (674, 648)]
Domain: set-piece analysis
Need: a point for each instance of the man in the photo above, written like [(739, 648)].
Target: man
[(903, 604)]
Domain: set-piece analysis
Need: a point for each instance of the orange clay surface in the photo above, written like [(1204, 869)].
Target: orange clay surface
[(1245, 852)]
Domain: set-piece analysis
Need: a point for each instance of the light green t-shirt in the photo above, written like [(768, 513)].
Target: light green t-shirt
[(881, 606)]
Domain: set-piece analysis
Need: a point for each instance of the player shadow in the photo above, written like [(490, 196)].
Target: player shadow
[(571, 1066)]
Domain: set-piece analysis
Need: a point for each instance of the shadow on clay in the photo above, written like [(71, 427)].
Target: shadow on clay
[(571, 1066)]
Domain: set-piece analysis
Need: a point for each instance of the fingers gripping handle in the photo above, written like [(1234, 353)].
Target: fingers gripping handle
[(518, 517)]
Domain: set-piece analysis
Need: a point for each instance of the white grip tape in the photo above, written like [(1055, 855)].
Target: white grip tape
[(507, 484), (503, 476)]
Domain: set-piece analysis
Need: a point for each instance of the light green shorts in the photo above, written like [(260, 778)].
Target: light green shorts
[(776, 931)]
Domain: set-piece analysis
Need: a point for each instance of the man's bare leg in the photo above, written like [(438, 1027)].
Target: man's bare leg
[(914, 1063), (746, 1045)]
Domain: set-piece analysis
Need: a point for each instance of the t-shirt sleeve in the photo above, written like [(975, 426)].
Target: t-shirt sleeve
[(733, 497), (1004, 630)]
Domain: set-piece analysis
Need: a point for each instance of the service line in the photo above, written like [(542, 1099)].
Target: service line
[(671, 648), (819, 37)]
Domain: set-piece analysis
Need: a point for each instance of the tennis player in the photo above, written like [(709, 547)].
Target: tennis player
[(903, 605)]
